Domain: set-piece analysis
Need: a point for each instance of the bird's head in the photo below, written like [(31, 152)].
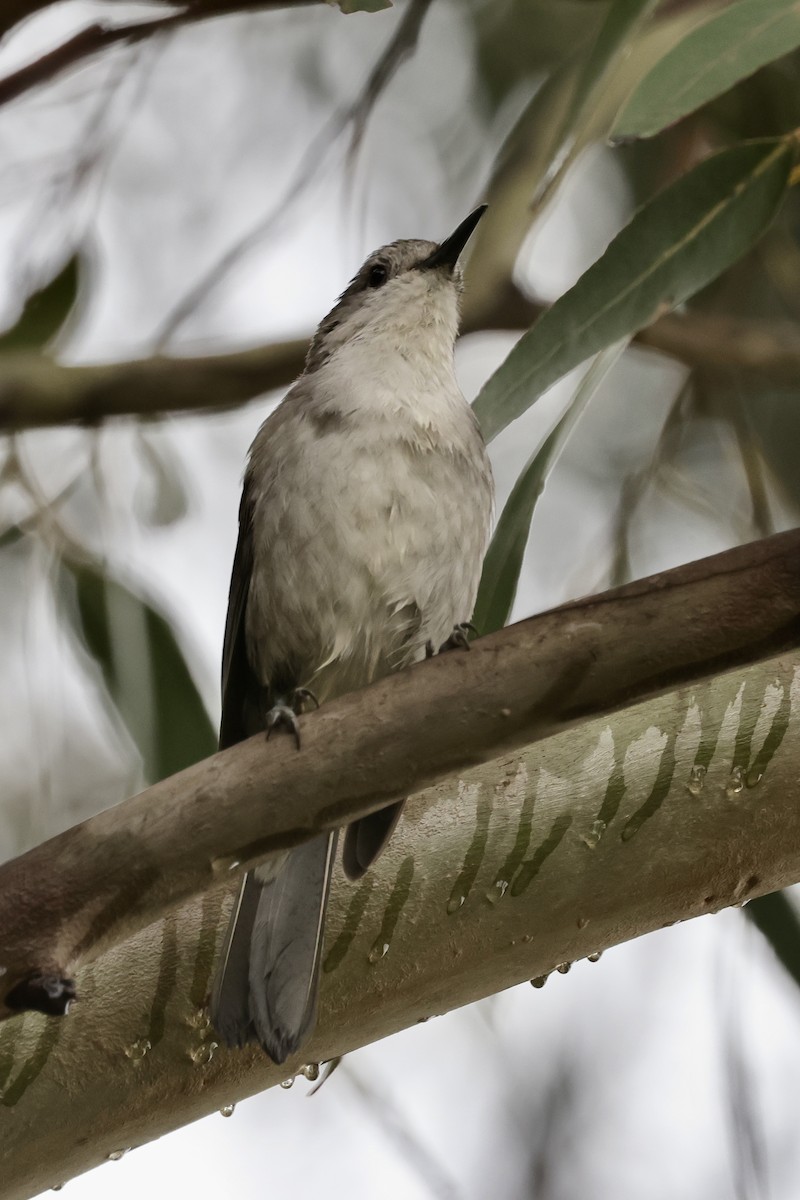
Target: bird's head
[(404, 289)]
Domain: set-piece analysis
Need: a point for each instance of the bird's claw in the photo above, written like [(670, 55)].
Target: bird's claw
[(300, 696), (280, 716), (284, 714), (459, 638)]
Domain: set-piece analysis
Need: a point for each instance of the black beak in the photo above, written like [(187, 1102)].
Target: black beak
[(447, 254)]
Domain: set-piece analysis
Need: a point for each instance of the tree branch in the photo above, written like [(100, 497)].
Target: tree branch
[(36, 392), (95, 38), (65, 901), (672, 808)]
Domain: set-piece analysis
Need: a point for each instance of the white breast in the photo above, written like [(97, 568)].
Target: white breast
[(372, 517)]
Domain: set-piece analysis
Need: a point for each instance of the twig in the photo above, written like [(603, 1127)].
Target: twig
[(100, 36), (400, 45)]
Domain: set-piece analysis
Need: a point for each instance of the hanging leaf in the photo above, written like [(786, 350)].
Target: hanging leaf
[(729, 46), (676, 244), (503, 561), (145, 673), (351, 6), (44, 312), (778, 920), (622, 20)]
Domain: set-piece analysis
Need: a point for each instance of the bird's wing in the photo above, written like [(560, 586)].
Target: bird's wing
[(267, 978), (241, 693)]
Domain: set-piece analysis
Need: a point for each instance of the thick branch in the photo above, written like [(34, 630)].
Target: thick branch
[(96, 884), (35, 391), (663, 811)]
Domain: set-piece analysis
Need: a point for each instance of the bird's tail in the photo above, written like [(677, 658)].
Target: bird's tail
[(268, 979)]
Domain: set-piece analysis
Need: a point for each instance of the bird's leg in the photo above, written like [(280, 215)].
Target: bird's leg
[(459, 638), (284, 712)]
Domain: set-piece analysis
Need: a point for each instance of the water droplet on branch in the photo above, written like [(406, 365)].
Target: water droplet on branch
[(201, 1056), (735, 783), (697, 778), (378, 951), (138, 1049)]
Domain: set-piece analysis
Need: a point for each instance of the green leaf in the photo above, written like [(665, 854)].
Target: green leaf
[(622, 20), (145, 673), (503, 562), (351, 6), (676, 244), (777, 918), (726, 48), (44, 312), (10, 536)]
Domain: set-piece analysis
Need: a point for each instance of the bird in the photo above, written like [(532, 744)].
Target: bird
[(365, 515)]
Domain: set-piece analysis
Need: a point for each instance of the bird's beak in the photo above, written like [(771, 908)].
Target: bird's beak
[(447, 254)]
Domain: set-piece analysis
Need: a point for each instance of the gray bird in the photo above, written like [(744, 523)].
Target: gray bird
[(363, 523)]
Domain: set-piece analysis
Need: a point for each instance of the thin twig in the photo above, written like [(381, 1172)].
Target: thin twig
[(95, 38), (401, 44)]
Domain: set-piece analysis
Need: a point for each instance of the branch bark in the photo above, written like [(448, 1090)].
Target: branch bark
[(36, 392), (663, 811), (66, 901)]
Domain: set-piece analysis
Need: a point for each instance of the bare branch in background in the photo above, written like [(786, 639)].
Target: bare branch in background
[(400, 46), (411, 1151), (88, 42), (399, 49), (95, 38), (35, 391), (744, 1116)]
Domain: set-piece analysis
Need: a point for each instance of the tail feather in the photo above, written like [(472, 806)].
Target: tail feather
[(366, 838), (268, 980), (230, 1000)]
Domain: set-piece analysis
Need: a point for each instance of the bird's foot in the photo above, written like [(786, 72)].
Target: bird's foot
[(286, 710), (459, 638)]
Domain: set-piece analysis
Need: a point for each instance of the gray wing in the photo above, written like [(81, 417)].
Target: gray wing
[(242, 700), (267, 979)]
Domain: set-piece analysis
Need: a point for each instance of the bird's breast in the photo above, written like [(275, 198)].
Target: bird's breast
[(370, 542)]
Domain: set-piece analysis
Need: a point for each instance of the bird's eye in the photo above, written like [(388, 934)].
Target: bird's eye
[(377, 275)]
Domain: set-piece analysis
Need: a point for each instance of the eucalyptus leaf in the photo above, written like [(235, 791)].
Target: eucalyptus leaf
[(144, 671), (729, 46), (351, 6), (674, 245), (621, 22), (44, 312), (776, 917), (503, 561)]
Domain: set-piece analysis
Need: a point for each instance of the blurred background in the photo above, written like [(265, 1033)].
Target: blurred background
[(212, 188)]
